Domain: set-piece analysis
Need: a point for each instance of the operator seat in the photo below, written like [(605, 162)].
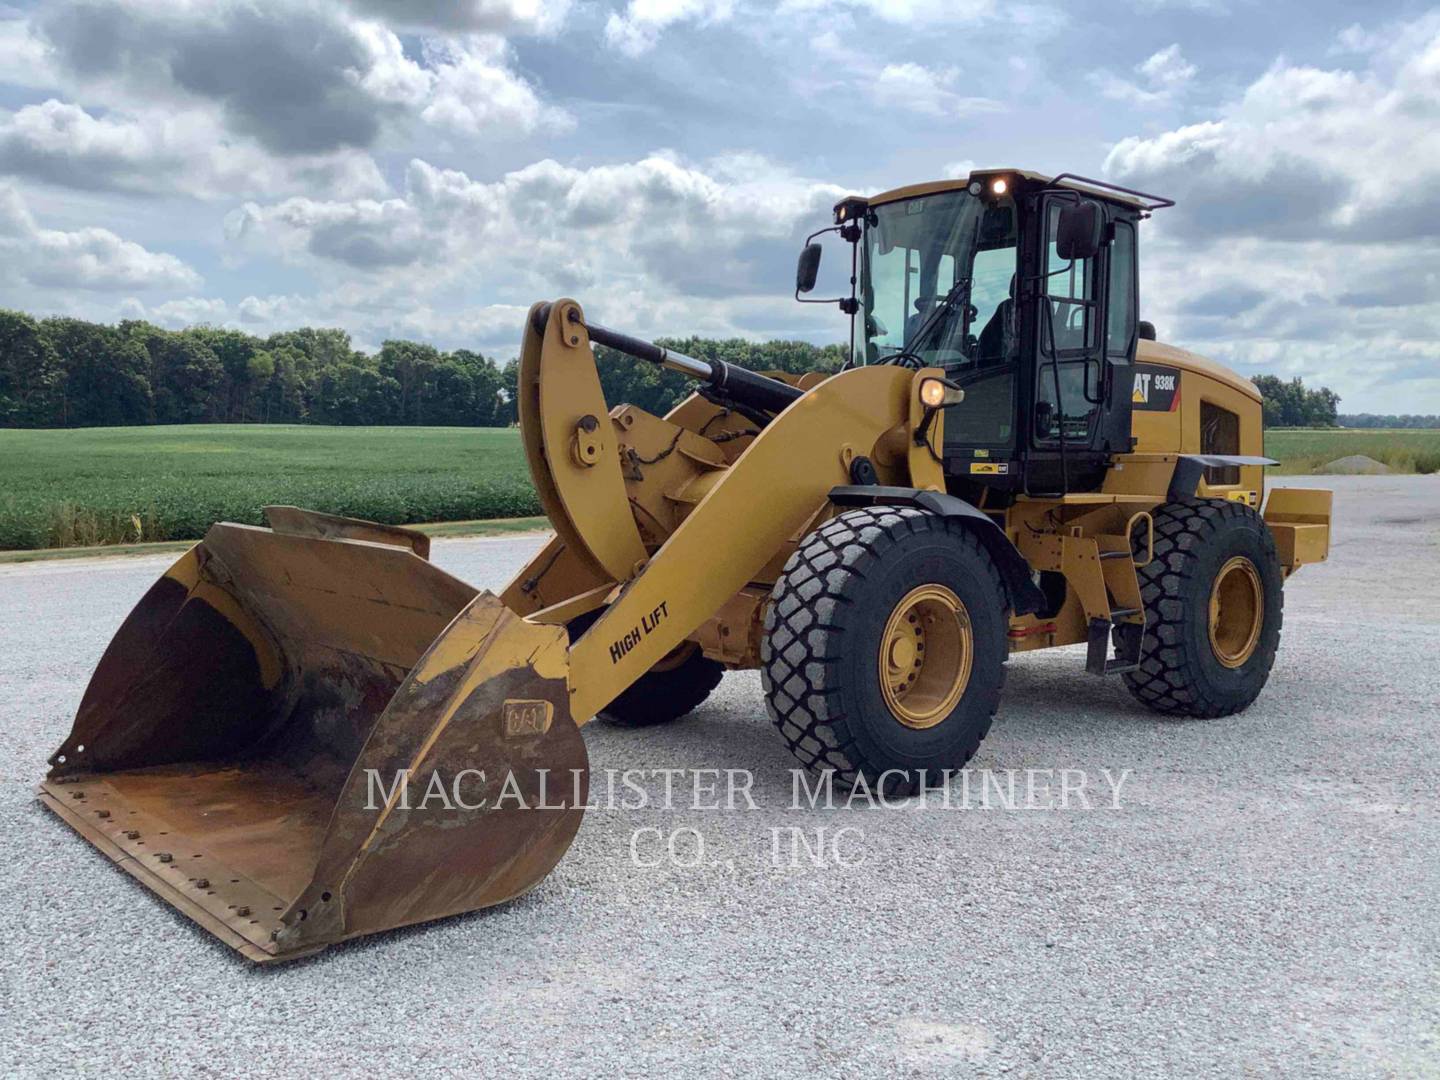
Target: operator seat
[(997, 340), (923, 306)]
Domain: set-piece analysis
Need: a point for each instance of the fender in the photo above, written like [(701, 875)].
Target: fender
[(1025, 596), (1189, 468)]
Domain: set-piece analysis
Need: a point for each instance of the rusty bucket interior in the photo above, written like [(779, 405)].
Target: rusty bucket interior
[(258, 738)]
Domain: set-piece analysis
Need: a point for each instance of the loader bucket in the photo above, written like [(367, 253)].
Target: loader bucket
[(310, 733)]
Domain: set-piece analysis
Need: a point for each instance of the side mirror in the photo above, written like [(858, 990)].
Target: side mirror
[(1081, 230), (808, 268)]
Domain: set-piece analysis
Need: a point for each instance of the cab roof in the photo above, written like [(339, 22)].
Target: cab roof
[(1100, 189)]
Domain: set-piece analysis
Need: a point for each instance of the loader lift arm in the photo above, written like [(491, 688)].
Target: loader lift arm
[(779, 483)]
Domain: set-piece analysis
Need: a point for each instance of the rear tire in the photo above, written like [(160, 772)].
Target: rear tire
[(838, 645), (1213, 609), (673, 688)]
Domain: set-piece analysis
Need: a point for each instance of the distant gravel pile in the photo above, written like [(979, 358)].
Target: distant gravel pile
[(1355, 465)]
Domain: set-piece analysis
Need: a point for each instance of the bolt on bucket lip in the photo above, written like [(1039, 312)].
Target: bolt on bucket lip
[(237, 910)]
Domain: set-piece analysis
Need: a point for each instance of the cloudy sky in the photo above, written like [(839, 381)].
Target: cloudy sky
[(427, 168)]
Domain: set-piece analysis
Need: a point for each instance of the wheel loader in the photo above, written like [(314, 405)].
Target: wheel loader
[(308, 732)]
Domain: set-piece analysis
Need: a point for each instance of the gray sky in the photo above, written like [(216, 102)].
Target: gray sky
[(427, 169)]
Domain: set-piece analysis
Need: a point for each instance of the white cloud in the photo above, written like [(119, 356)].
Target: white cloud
[(640, 238), (1361, 322), (1357, 39), (83, 259), (384, 71), (905, 12), (1167, 68), (1309, 210), (925, 90), (1304, 152), (493, 16), (24, 58), (474, 92), (1204, 7), (638, 28), (330, 80), (162, 152), (366, 234), (187, 311), (847, 66), (165, 98), (1163, 76)]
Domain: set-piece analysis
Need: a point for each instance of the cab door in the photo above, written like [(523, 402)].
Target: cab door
[(983, 360), (1084, 346)]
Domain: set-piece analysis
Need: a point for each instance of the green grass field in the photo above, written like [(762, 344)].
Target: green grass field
[(1306, 449), (135, 484)]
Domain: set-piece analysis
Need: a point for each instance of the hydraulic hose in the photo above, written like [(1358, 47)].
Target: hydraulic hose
[(740, 385)]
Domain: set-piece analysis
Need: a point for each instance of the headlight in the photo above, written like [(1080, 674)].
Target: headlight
[(935, 394)]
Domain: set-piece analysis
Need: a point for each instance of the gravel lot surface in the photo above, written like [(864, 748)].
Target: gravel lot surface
[(1265, 900)]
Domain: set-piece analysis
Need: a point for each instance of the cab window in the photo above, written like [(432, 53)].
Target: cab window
[(1069, 378), (1120, 319)]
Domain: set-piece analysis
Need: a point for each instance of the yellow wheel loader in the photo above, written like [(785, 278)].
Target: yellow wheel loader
[(307, 732)]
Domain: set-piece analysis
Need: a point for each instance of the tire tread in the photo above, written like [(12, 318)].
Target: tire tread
[(803, 642), (1168, 679)]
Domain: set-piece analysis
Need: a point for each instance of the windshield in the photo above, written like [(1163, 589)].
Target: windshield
[(952, 251)]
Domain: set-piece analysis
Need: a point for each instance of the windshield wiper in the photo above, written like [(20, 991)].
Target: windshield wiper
[(959, 289)]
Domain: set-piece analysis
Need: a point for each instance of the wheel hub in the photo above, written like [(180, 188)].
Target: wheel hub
[(1237, 612), (926, 652)]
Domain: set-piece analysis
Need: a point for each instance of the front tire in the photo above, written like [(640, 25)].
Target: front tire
[(1214, 603), (884, 649)]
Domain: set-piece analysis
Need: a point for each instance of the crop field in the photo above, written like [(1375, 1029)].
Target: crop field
[(1304, 450), (136, 484)]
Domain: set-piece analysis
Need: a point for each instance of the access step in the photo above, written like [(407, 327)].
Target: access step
[(1097, 658)]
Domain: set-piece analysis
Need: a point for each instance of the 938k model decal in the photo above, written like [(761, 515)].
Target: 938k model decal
[(1157, 389)]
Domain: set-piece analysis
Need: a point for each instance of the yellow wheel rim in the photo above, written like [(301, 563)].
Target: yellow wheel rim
[(1237, 612), (926, 652), (676, 656)]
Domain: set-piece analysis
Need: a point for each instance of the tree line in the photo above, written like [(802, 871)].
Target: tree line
[(63, 372), (1390, 420), (1293, 404)]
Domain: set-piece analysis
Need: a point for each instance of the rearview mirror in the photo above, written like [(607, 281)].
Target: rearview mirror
[(1044, 419), (1081, 230), (808, 268)]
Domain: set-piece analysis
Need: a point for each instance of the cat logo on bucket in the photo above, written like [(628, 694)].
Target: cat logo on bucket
[(523, 718)]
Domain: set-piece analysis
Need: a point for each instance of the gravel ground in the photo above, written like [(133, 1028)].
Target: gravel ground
[(1262, 901)]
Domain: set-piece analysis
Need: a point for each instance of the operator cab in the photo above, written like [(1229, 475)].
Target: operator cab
[(1022, 288)]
